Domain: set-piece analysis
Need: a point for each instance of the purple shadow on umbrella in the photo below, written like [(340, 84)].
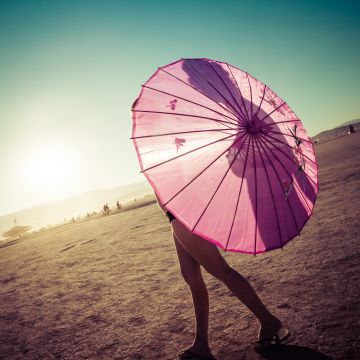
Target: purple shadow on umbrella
[(263, 161)]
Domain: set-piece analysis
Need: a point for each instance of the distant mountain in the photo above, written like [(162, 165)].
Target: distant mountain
[(341, 130), (351, 122), (55, 212)]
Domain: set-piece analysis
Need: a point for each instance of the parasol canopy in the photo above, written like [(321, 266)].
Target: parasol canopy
[(225, 155)]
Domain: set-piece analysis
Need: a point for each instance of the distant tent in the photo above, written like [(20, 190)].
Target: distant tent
[(17, 231)]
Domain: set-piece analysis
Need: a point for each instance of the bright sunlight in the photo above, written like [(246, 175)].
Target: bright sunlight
[(49, 170)]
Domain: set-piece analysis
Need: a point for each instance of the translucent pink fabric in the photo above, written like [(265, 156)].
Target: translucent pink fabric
[(225, 155)]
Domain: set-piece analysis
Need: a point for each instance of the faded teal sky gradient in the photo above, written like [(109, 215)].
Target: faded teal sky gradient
[(70, 70)]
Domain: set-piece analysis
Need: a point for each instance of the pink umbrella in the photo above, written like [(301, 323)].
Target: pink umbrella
[(225, 155)]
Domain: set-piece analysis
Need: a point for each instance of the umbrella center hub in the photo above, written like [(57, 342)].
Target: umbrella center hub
[(253, 126)]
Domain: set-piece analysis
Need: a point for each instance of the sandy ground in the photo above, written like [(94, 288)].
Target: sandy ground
[(110, 288)]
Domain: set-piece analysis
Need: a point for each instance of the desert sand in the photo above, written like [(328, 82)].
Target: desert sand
[(110, 287)]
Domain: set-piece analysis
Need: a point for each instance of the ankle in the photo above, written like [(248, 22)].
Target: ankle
[(201, 343), (202, 349), (269, 320)]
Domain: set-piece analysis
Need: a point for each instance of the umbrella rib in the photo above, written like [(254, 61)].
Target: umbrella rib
[(280, 133), (272, 194), (282, 122), (277, 176), (192, 102), (276, 109), (291, 158), (238, 198), (188, 115), (251, 98), (291, 177), (253, 148), (287, 154), (190, 151), (262, 99), (221, 181), (177, 133), (242, 98), (227, 88), (200, 92), (226, 100)]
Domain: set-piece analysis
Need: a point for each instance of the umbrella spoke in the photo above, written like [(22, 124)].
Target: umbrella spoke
[(242, 98), (262, 99), (282, 122), (272, 194), (192, 102), (251, 98), (285, 134), (191, 181), (291, 176), (188, 115), (276, 109), (222, 179), (191, 151), (287, 155), (200, 92), (238, 197), (180, 132), (231, 94), (280, 183)]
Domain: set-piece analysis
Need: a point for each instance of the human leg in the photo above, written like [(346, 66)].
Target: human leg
[(190, 270), (208, 255)]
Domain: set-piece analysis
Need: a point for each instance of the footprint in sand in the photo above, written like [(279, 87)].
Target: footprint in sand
[(137, 320)]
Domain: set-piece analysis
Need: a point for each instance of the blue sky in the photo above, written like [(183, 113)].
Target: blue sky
[(70, 71)]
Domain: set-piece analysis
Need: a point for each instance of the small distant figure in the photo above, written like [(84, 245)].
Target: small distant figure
[(15, 222), (73, 220), (87, 215), (106, 209), (118, 205), (351, 129)]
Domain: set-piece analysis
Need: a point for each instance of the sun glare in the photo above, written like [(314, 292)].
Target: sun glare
[(48, 170)]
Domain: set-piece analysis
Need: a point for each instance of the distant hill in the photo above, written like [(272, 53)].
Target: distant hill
[(336, 132), (351, 122), (55, 212)]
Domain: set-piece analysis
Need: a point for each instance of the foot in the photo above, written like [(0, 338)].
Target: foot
[(196, 352), (271, 335), (269, 328)]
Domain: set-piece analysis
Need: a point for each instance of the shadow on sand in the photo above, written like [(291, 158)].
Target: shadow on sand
[(294, 352)]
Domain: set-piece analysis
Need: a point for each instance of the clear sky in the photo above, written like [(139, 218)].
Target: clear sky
[(70, 70)]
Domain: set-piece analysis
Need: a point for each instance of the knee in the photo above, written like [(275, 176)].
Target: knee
[(192, 276)]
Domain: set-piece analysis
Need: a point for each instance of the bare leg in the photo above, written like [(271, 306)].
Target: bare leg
[(207, 255), (191, 272)]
